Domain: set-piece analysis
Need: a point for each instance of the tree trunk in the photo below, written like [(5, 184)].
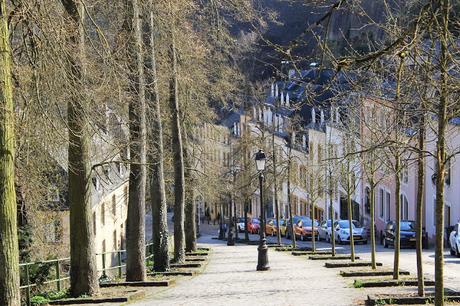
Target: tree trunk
[(190, 215), (275, 186), (291, 224), (157, 182), (83, 269), (178, 158), (313, 244), (441, 155), (135, 227), (398, 216), (350, 213), (419, 209), (372, 225), (9, 255), (331, 209)]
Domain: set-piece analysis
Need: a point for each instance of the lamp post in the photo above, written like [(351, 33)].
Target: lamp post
[(262, 263)]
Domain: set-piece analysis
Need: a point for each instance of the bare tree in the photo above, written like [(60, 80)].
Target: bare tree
[(83, 270), (135, 227), (9, 256), (157, 182)]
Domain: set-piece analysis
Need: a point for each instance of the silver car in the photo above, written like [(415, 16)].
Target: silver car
[(342, 232), (454, 240), (324, 230)]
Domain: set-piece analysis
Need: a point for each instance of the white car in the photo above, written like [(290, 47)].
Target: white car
[(454, 240), (240, 225), (342, 232), (324, 230)]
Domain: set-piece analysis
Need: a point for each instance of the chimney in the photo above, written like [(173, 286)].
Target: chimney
[(276, 90), (287, 99), (282, 98), (313, 115), (272, 91), (322, 116)]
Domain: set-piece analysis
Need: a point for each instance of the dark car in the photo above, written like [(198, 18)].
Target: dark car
[(407, 229)]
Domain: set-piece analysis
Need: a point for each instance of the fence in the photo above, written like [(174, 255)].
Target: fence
[(59, 275)]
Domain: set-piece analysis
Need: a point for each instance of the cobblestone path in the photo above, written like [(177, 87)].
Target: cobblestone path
[(231, 278)]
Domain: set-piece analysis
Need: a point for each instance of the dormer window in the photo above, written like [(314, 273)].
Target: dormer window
[(96, 183), (120, 169)]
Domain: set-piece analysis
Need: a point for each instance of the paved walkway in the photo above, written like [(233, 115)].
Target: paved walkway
[(231, 279)]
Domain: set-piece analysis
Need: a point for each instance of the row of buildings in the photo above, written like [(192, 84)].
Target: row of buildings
[(306, 121)]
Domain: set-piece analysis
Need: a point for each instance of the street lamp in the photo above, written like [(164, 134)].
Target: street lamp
[(262, 263)]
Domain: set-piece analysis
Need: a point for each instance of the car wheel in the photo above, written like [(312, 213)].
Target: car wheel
[(385, 244), (458, 253), (339, 240), (365, 242), (452, 252)]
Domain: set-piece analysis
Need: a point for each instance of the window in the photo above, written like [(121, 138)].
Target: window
[(320, 154), (448, 172), (53, 232), (404, 175), (104, 249), (53, 194), (94, 223), (367, 200), (96, 183), (404, 207), (381, 202), (388, 203), (115, 240), (311, 151), (120, 169), (114, 205), (103, 213), (126, 196)]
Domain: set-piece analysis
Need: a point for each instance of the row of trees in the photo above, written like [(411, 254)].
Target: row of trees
[(163, 67)]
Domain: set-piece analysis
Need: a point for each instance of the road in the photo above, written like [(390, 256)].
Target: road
[(408, 259)]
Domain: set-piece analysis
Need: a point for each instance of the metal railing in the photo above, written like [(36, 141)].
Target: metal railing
[(59, 276)]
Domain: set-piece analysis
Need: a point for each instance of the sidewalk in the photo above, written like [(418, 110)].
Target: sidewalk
[(231, 279)]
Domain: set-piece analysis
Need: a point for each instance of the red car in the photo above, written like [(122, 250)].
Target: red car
[(253, 226)]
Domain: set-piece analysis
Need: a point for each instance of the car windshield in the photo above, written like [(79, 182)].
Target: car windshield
[(256, 221), (240, 220), (329, 222), (345, 224), (355, 223), (407, 225), (307, 222)]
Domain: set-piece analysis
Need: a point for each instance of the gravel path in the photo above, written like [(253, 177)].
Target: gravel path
[(231, 279)]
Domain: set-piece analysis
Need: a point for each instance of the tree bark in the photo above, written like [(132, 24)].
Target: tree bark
[(350, 212), (275, 185), (331, 209), (291, 224), (178, 157), (160, 234), (9, 250), (420, 199), (441, 154), (83, 269), (372, 225), (398, 216), (190, 210), (135, 227)]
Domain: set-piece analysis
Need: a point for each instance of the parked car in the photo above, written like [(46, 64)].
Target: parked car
[(282, 227), (324, 230), (454, 241), (253, 226), (240, 224), (302, 228), (407, 229), (270, 227), (342, 232)]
